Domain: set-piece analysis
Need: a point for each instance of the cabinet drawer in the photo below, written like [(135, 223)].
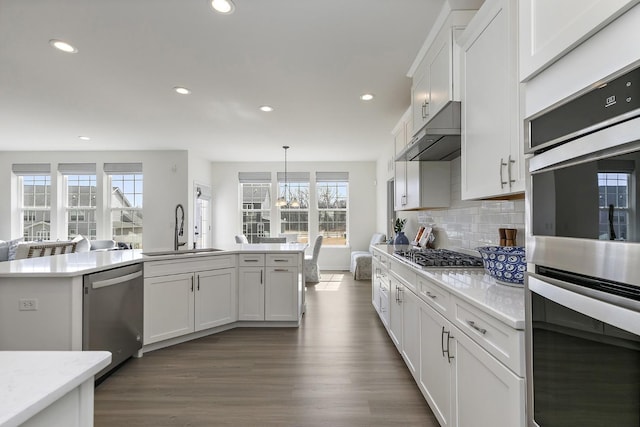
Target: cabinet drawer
[(248, 260), (282, 260), (406, 274), (382, 259), (501, 341), (187, 265), (434, 295)]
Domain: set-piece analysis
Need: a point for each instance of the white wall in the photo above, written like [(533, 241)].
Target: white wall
[(384, 172), (165, 185), (227, 220)]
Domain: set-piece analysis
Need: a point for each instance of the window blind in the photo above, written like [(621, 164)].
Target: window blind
[(122, 168), (332, 176), (254, 177), (77, 168), (294, 176), (31, 168)]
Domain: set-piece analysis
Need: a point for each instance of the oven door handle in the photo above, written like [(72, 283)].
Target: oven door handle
[(592, 303)]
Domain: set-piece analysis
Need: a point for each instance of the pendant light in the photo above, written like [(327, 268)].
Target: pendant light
[(285, 199)]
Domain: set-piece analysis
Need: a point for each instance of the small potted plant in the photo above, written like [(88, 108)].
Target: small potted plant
[(398, 226)]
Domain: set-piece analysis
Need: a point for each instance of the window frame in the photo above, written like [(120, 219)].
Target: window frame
[(136, 210), (338, 180), (46, 208)]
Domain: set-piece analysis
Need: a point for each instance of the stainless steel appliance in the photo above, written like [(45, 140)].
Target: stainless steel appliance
[(112, 313), (583, 241), (425, 258)]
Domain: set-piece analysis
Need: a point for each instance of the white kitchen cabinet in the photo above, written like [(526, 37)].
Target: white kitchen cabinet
[(251, 293), (201, 295), (168, 307), (488, 394), (216, 298), (435, 81), (492, 139), (380, 285), (281, 294), (549, 30), (395, 311), (270, 287), (436, 372), (411, 332)]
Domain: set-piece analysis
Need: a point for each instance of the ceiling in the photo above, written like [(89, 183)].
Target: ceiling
[(310, 60)]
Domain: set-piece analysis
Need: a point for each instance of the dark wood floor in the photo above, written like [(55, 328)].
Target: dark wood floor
[(338, 369)]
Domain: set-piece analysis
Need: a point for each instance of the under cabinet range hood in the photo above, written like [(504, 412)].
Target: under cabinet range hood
[(439, 139)]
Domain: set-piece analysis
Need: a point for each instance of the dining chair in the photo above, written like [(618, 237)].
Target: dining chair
[(241, 238), (311, 268)]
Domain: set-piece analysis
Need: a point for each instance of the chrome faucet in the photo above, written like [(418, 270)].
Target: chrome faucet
[(178, 231)]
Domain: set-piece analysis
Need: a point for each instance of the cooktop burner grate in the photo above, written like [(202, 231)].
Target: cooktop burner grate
[(439, 258)]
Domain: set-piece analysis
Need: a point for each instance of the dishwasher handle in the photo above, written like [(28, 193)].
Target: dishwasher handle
[(115, 280)]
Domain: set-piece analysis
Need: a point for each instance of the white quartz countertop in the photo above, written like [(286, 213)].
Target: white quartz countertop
[(32, 380), (503, 302), (80, 263)]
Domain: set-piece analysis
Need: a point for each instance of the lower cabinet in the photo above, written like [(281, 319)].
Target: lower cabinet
[(488, 394), (436, 374), (395, 311), (269, 287), (281, 294), (251, 293), (179, 304), (468, 378)]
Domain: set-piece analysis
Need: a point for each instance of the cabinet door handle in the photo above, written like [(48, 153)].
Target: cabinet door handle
[(502, 181), (511, 181), (191, 283), (198, 282), (449, 356), (442, 341), (476, 327), (425, 114), (432, 296), (400, 290), (261, 272)]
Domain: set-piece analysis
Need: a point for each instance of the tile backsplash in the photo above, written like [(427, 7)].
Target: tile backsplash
[(468, 224)]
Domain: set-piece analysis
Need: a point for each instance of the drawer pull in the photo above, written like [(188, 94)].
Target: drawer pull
[(432, 296), (251, 260), (476, 327), (280, 269), (280, 260)]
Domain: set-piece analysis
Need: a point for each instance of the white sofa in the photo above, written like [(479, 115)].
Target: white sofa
[(18, 249)]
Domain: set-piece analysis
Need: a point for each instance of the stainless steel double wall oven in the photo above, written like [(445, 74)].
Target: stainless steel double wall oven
[(583, 295)]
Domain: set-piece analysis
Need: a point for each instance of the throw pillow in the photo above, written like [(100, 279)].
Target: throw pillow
[(13, 246), (82, 243)]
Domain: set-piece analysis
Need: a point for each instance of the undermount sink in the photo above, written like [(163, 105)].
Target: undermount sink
[(185, 252)]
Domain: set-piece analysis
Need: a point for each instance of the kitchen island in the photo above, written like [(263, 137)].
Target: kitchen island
[(44, 388), (186, 295)]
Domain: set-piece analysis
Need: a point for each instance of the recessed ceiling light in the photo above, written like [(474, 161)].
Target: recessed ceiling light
[(182, 90), (84, 138), (266, 108), (367, 96), (63, 46), (223, 6)]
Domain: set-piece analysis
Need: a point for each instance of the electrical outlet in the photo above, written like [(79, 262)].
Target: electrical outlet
[(27, 304)]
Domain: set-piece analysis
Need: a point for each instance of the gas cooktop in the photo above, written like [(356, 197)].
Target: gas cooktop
[(439, 258)]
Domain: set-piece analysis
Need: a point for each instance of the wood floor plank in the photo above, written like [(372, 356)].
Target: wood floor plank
[(338, 369)]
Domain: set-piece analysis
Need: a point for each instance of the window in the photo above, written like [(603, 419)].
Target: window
[(294, 221), (202, 226), (614, 205), (255, 196), (34, 182), (80, 197), (126, 184), (332, 192)]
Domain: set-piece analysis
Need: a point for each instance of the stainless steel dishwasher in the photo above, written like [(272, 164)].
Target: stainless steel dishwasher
[(112, 313)]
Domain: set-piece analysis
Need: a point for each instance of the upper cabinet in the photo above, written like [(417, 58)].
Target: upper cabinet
[(435, 79), (492, 142), (549, 29), (418, 184)]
